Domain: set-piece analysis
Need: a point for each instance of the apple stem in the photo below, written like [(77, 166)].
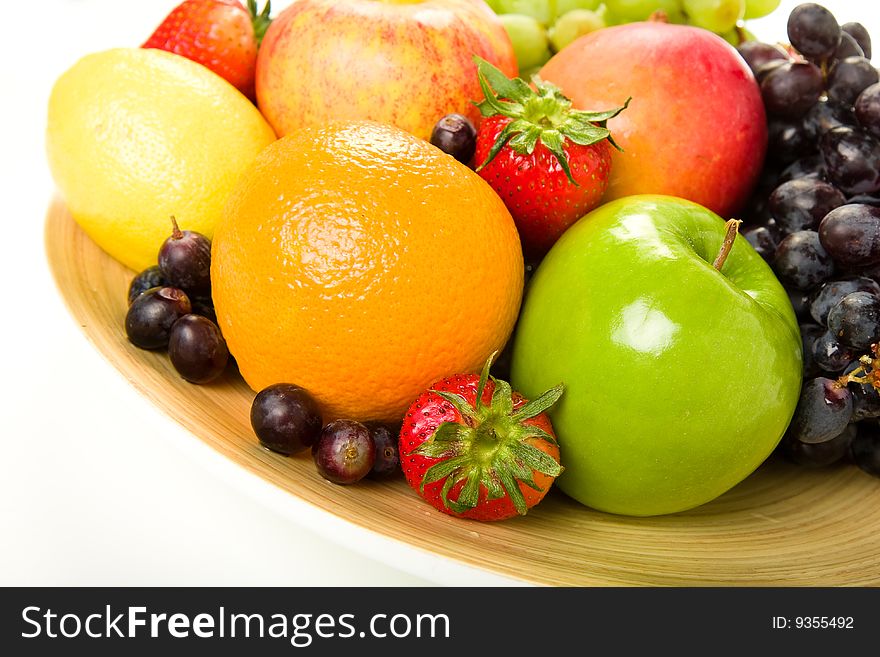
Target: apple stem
[(658, 16), (732, 227)]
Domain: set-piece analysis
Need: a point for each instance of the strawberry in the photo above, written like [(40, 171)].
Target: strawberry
[(549, 163), (220, 34), (475, 449)]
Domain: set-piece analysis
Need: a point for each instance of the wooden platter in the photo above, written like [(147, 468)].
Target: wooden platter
[(783, 526)]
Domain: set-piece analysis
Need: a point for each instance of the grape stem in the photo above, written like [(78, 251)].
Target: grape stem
[(861, 375), (732, 228), (175, 230)]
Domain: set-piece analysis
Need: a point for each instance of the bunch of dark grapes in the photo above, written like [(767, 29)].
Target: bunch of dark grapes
[(815, 217), (286, 420), (170, 308)]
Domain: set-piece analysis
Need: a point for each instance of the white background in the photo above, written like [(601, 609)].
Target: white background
[(97, 487)]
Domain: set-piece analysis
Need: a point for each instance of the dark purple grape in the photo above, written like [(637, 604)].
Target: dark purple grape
[(818, 455), (151, 315), (768, 180), (800, 260), (864, 199), (792, 89), (848, 78), (762, 241), (872, 272), (829, 294), (823, 411), (757, 53), (756, 212), (197, 349), (148, 278), (811, 166), (455, 134), (787, 140), (848, 47), (855, 320), (864, 449), (858, 32), (829, 355), (387, 460), (285, 418), (766, 68), (809, 334), (185, 260), (866, 398), (771, 225), (802, 203), (825, 115), (867, 109), (866, 402), (800, 303), (345, 452), (851, 234), (852, 160), (813, 31), (204, 306)]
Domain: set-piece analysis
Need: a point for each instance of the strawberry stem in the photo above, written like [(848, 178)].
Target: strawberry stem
[(542, 114), (260, 19), (490, 447)]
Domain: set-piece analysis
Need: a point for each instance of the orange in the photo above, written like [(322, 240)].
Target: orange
[(363, 264)]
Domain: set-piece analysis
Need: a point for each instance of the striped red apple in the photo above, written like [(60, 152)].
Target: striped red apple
[(403, 62)]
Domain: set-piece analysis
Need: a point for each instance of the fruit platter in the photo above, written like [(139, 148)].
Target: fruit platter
[(498, 280)]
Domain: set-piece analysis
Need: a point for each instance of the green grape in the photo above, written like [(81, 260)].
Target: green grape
[(529, 40), (731, 36), (746, 35), (565, 6), (493, 5), (738, 35), (759, 8), (631, 11), (714, 15), (574, 24), (540, 10)]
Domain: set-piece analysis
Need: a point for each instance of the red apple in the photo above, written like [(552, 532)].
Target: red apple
[(403, 62), (695, 127)]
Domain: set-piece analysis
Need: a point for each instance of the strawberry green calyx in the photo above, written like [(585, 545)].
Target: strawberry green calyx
[(490, 446), (260, 19), (542, 114)]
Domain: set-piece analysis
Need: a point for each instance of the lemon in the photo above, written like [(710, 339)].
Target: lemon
[(135, 136)]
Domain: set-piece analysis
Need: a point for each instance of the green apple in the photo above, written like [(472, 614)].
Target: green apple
[(680, 379)]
